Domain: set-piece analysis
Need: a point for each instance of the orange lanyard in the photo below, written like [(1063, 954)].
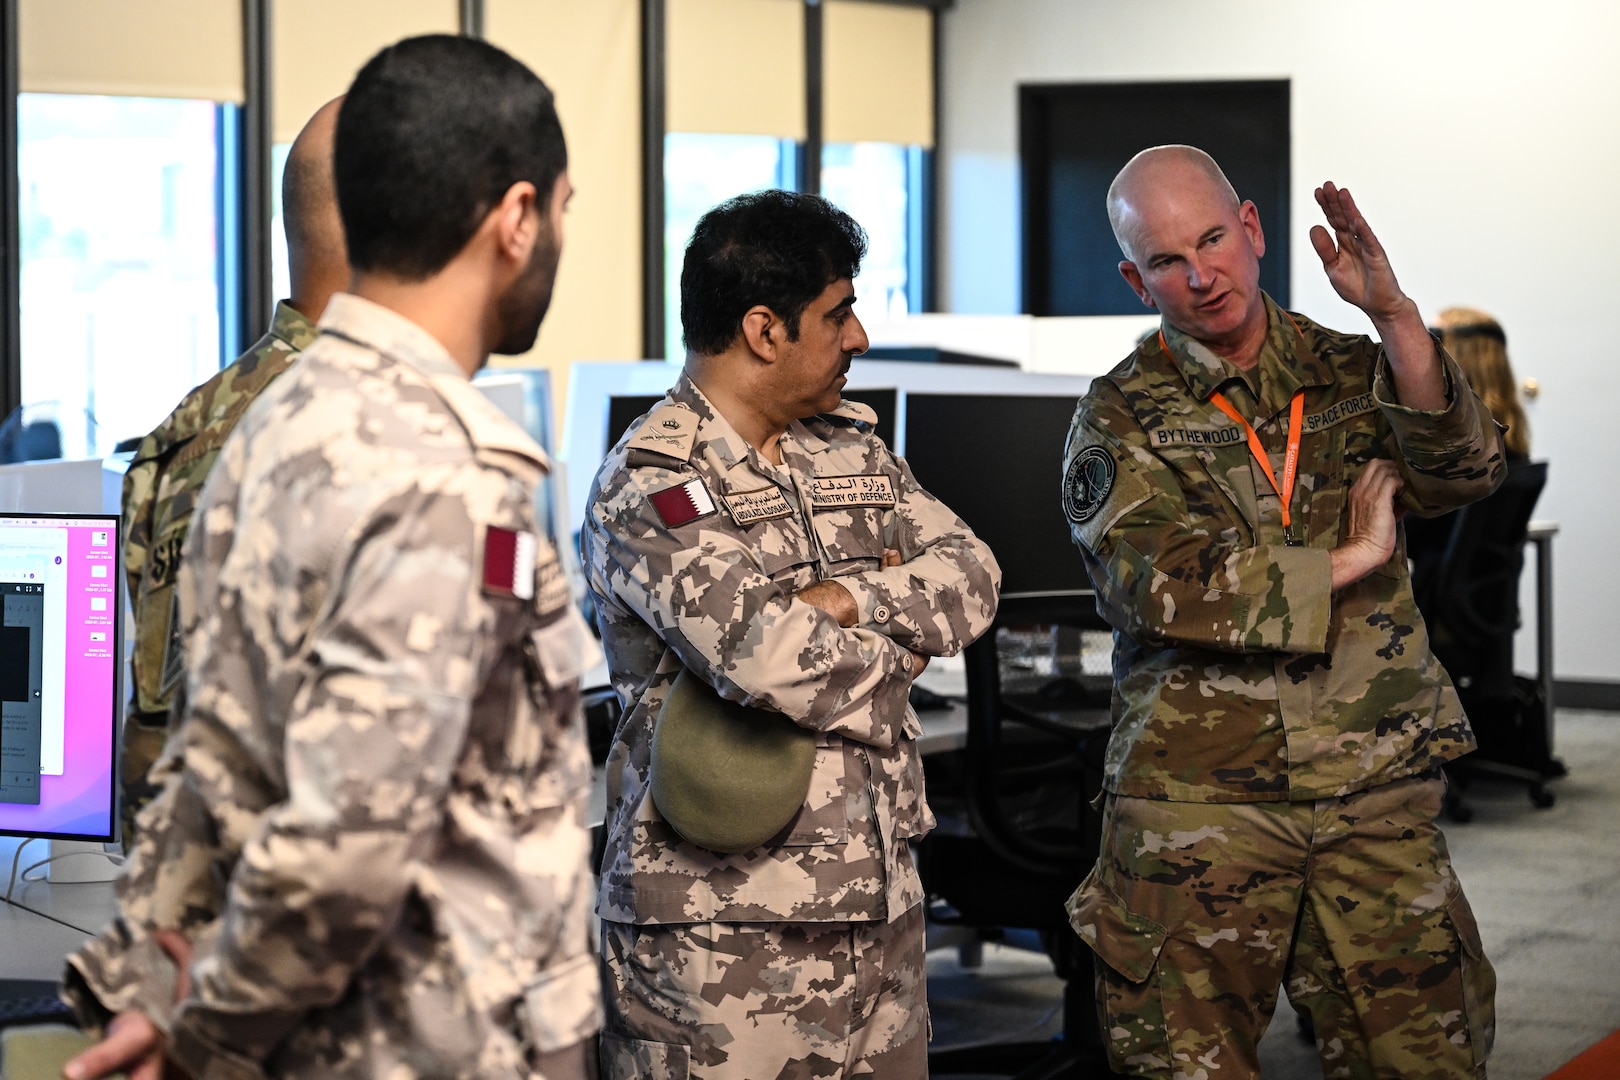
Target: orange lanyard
[(1296, 415), (1285, 490)]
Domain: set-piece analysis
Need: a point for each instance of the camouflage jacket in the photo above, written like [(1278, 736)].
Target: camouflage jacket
[(372, 818), (715, 592), (161, 489), (1239, 675)]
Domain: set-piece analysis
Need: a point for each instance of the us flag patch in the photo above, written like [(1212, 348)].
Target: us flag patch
[(682, 503), (509, 562)]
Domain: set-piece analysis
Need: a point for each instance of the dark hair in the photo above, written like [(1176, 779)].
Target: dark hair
[(776, 248), (432, 134)]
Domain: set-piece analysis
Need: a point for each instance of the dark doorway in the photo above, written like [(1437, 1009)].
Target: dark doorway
[(1074, 138)]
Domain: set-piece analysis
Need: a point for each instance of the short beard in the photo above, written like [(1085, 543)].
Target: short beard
[(523, 306)]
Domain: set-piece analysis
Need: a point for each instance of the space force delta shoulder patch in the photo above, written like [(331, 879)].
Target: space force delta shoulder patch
[(682, 503), (1087, 483)]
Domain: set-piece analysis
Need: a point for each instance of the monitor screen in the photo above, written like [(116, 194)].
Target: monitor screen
[(60, 674), (997, 460), (624, 410)]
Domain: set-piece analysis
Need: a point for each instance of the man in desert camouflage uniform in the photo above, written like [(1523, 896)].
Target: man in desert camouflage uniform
[(1274, 774), (371, 860), (753, 530), (168, 470)]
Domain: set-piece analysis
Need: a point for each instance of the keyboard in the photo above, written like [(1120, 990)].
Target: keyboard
[(31, 1001)]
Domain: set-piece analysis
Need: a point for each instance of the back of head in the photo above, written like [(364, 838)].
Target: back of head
[(1479, 345), (777, 248), (432, 134)]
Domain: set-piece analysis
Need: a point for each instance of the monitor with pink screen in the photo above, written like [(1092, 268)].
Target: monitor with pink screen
[(61, 674)]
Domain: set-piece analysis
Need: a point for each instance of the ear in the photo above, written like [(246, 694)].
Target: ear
[(516, 222), (1133, 278), (763, 332), (1250, 217)]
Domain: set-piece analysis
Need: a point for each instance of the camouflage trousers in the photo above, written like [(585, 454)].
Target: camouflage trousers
[(1198, 912), (767, 1001)]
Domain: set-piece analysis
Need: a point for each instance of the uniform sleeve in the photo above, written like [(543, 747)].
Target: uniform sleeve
[(168, 883), (944, 594), (370, 743), (705, 594), (1448, 458), (1163, 569)]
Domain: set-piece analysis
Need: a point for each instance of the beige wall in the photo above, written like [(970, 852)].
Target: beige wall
[(318, 46), (155, 48), (590, 55)]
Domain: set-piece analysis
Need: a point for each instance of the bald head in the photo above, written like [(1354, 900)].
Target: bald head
[(1152, 177), (317, 258)]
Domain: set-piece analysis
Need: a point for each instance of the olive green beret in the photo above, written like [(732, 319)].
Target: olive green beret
[(727, 777)]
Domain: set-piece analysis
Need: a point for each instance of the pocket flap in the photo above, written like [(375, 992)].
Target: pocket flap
[(1128, 943), (565, 649), (1462, 918), (563, 1006)]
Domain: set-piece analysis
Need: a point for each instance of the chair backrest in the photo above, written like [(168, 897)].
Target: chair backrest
[(1470, 595), (1054, 845)]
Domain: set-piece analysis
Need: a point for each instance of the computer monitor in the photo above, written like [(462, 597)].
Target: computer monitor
[(624, 410), (997, 460), (61, 678)]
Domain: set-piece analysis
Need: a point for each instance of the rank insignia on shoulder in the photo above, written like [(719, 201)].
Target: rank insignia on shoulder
[(1086, 484), (669, 430), (509, 557), (682, 503)]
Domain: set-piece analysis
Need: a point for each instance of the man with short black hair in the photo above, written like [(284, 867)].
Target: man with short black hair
[(378, 819), (752, 532)]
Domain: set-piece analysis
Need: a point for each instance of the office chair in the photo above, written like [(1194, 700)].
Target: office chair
[(1468, 591), (1031, 839)]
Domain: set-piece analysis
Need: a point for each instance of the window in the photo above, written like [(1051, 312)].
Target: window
[(120, 297), (699, 172), (880, 186)]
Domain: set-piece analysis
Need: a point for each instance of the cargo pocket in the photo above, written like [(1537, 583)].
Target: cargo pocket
[(1129, 1004), (637, 1059), (1478, 979)]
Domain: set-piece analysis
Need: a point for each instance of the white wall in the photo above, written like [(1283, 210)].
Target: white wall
[(1481, 138)]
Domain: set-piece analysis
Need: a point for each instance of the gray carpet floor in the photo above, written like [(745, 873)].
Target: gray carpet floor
[(1544, 884)]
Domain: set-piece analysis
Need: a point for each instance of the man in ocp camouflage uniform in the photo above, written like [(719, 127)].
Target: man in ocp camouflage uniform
[(753, 530), (167, 473), (1273, 779), (371, 860)]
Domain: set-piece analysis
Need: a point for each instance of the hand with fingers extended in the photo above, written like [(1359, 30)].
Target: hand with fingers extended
[(1371, 533), (1356, 264), (133, 1044)]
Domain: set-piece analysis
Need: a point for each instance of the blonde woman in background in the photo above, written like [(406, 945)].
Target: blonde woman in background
[(1477, 343)]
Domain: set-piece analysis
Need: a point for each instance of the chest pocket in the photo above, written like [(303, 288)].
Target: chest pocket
[(853, 539)]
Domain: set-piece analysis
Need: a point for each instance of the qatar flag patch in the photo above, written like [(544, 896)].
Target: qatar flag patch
[(682, 503), (509, 562)]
